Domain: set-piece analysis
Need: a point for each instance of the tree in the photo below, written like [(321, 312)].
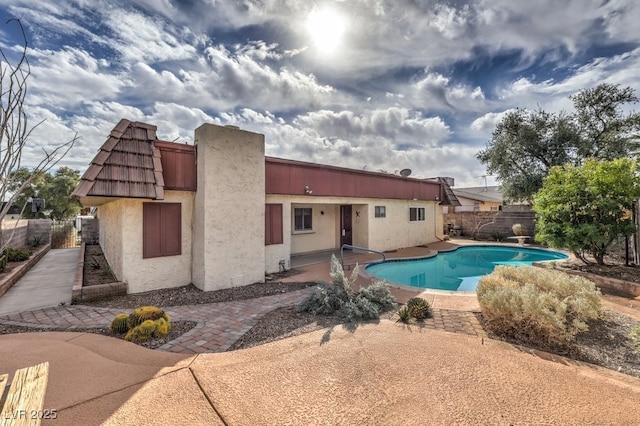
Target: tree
[(55, 189), (586, 208), (15, 129), (526, 144)]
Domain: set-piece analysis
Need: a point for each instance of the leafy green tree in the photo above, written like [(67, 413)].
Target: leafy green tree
[(55, 189), (526, 144), (606, 132), (586, 208)]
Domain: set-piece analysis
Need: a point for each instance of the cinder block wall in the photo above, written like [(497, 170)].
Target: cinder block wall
[(15, 233), (90, 231), (39, 227), (490, 222)]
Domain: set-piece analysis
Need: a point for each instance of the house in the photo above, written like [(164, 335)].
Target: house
[(220, 214), (477, 199)]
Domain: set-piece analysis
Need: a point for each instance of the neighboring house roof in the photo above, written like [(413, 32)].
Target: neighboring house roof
[(480, 193), (14, 209), (128, 165)]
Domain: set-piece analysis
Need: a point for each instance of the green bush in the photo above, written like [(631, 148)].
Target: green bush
[(18, 254), (338, 298), (498, 236), (537, 306)]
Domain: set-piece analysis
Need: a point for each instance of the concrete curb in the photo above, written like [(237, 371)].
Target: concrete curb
[(79, 293), (15, 274)]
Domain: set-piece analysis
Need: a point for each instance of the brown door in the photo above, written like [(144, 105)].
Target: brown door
[(345, 225)]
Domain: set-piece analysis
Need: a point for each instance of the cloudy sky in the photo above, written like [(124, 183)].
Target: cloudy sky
[(367, 84)]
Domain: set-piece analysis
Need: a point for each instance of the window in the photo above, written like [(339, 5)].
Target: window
[(161, 229), (381, 211), (302, 219), (273, 224), (416, 214)]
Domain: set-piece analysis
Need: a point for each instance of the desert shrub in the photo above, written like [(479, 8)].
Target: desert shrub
[(418, 308), (498, 236), (18, 254), (537, 306), (338, 297), (519, 229), (378, 293), (404, 315), (635, 338)]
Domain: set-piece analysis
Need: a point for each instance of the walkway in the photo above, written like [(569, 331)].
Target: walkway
[(219, 326), (48, 283)]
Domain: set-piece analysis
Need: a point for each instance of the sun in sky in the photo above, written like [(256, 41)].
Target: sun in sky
[(326, 27)]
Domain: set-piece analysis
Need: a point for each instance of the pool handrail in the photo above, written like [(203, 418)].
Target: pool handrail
[(352, 247)]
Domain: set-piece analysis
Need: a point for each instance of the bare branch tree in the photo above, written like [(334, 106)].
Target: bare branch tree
[(15, 130)]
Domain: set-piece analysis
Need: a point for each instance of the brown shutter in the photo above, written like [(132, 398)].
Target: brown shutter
[(172, 232), (273, 224), (161, 229), (151, 230)]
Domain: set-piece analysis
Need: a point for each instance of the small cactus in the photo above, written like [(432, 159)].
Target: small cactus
[(404, 315), (120, 324), (418, 308), (162, 327), (519, 229), (143, 313)]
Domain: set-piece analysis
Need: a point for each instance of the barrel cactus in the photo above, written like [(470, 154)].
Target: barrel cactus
[(120, 324), (162, 327), (418, 308), (144, 313)]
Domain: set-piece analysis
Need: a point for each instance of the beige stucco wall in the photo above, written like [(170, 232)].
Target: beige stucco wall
[(396, 231), (323, 236), (228, 221), (121, 240), (392, 232), (111, 237)]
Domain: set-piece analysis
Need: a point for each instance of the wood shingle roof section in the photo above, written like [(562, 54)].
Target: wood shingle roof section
[(127, 166)]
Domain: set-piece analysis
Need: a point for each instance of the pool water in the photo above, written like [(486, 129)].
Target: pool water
[(458, 270)]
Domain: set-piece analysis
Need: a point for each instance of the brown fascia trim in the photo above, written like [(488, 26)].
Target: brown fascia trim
[(345, 170), (173, 146)]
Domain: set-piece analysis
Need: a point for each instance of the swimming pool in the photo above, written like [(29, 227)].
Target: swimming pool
[(458, 270)]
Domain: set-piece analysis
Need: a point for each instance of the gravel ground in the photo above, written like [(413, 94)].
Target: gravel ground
[(191, 295)]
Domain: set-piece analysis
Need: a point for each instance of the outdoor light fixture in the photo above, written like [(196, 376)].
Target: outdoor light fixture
[(307, 190)]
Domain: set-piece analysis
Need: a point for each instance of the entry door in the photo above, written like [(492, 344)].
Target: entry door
[(345, 225)]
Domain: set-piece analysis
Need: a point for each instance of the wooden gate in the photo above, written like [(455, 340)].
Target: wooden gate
[(64, 234)]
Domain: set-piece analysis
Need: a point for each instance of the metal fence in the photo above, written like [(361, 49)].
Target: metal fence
[(64, 234)]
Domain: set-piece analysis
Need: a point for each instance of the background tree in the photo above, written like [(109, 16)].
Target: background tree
[(586, 208), (15, 129), (55, 189), (526, 144)]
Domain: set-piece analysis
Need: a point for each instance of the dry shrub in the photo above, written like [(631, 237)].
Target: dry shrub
[(537, 306)]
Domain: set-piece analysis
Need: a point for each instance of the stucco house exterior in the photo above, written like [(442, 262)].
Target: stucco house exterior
[(220, 214)]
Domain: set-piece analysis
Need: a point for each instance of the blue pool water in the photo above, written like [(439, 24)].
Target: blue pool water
[(458, 270)]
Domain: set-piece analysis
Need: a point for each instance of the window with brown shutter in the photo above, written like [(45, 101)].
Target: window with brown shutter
[(161, 229), (273, 224)]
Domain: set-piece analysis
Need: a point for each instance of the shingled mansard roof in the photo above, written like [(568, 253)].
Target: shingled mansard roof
[(128, 165)]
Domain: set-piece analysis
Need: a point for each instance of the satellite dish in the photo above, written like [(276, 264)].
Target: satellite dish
[(405, 172)]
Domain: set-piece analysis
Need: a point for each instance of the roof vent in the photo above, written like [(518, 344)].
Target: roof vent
[(405, 172), (231, 126)]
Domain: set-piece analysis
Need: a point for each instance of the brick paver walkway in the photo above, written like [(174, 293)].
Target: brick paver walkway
[(219, 326)]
